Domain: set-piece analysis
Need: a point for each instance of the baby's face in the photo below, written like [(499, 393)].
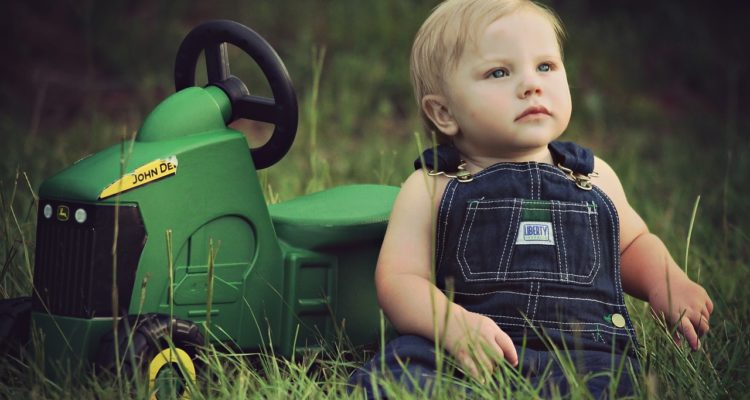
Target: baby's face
[(509, 92)]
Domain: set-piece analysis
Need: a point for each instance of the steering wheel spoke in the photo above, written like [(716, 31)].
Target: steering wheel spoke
[(217, 62), (257, 108)]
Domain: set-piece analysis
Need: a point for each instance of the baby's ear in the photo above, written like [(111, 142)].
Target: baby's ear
[(436, 108)]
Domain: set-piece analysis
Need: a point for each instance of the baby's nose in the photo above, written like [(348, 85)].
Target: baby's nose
[(529, 85)]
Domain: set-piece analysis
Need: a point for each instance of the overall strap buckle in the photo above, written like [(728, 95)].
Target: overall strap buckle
[(583, 181), (462, 175)]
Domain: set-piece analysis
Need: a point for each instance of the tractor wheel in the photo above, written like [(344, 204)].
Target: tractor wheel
[(15, 320), (144, 347)]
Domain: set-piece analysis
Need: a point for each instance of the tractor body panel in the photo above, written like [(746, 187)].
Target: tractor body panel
[(68, 343), (331, 244), (202, 189)]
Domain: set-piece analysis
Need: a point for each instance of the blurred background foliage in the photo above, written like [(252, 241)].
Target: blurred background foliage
[(676, 63), (660, 88), (81, 75)]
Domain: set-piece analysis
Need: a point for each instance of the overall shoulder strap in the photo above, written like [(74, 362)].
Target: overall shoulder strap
[(570, 155), (446, 158), (442, 158)]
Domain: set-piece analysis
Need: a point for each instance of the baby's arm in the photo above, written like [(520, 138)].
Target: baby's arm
[(649, 272), (405, 287)]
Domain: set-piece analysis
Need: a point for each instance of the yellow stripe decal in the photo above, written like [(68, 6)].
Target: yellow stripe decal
[(142, 175)]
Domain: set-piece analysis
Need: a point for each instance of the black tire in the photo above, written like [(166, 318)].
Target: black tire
[(15, 321), (143, 342)]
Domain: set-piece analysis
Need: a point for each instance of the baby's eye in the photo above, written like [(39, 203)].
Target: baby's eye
[(499, 73), (544, 67)]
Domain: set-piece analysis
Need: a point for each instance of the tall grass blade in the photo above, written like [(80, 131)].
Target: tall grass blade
[(212, 252), (690, 234)]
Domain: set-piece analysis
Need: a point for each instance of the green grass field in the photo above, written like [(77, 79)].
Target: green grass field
[(667, 158)]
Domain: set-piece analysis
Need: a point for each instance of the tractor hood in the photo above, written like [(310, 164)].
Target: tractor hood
[(126, 167), (190, 119)]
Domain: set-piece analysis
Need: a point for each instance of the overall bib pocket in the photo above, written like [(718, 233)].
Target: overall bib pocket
[(506, 240)]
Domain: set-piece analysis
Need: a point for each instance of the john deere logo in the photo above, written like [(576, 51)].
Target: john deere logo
[(63, 213)]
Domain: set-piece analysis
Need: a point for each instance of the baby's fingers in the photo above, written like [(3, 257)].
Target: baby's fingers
[(477, 363), (687, 329), (702, 324), (467, 364), (508, 350), (676, 337), (483, 361)]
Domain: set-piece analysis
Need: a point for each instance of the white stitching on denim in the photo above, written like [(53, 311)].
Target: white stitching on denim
[(505, 242), (533, 209), (562, 259), (545, 321), (576, 207), (547, 169), (536, 300), (616, 250), (452, 185), (531, 178), (556, 230), (595, 244), (442, 219), (527, 274), (541, 295), (581, 204), (512, 228), (528, 296), (462, 253), (498, 319), (533, 274), (538, 179), (609, 331), (568, 274), (463, 244), (564, 246), (615, 244)]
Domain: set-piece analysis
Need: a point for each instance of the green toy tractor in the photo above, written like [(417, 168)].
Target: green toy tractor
[(161, 245)]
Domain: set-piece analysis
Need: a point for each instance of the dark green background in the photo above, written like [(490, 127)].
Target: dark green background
[(684, 62)]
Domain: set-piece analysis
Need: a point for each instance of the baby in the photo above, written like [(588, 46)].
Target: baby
[(504, 236)]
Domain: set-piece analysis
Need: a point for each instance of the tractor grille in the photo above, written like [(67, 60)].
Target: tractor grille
[(74, 263)]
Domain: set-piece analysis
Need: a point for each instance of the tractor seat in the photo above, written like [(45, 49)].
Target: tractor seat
[(334, 217)]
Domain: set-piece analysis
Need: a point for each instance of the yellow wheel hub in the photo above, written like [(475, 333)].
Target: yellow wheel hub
[(164, 361)]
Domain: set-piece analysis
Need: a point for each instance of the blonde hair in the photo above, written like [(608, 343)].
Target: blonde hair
[(441, 41)]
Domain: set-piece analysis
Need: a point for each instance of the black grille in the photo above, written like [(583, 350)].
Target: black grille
[(74, 263)]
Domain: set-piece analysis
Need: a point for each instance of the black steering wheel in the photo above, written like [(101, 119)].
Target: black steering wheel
[(280, 111)]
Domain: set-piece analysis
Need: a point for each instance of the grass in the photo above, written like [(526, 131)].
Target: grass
[(350, 134), (712, 235)]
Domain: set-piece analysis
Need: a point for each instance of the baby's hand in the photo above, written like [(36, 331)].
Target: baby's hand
[(478, 343), (688, 300)]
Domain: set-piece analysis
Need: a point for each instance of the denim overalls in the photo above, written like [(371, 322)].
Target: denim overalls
[(530, 244), (536, 248)]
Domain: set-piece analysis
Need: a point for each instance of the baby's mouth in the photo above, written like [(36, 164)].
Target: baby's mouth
[(533, 110)]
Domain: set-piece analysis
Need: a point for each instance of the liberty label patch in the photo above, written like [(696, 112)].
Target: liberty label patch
[(533, 232)]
